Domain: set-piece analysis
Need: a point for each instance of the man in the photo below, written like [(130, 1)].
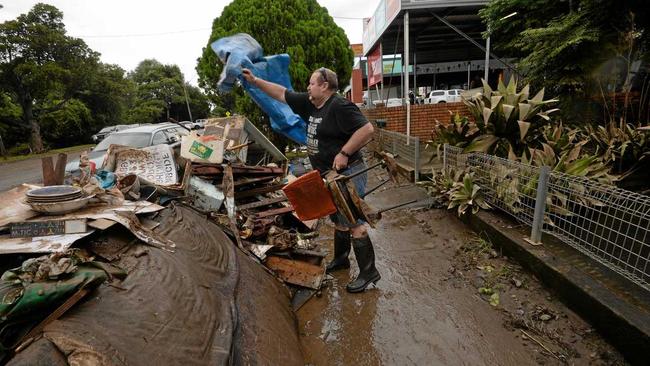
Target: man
[(336, 131)]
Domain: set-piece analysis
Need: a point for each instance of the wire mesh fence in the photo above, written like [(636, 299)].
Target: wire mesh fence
[(395, 143), (609, 224)]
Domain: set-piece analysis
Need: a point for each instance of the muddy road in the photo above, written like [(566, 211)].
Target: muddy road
[(432, 305)]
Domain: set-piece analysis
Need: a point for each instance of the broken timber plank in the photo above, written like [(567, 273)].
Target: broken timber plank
[(229, 190), (260, 190), (49, 178), (245, 181), (297, 272), (208, 169), (263, 203), (275, 211)]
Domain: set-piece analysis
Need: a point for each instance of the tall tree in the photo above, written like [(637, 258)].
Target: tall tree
[(39, 62), (301, 28), (160, 94)]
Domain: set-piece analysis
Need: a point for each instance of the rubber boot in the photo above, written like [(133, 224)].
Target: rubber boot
[(368, 274), (341, 251)]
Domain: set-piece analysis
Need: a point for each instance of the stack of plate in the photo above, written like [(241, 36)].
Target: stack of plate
[(55, 200), (53, 194)]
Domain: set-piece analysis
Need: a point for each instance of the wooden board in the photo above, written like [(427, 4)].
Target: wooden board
[(297, 272), (30, 229)]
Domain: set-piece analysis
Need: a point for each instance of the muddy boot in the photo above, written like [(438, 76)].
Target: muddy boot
[(341, 251), (366, 260)]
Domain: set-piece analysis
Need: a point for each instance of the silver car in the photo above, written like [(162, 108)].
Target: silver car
[(138, 137)]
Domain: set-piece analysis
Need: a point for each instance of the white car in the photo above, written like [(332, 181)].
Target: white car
[(443, 96), (137, 137)]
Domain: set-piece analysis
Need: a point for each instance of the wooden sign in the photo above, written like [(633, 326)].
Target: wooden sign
[(45, 228), (154, 163)]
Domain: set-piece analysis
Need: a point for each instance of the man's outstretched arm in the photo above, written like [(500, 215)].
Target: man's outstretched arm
[(275, 91)]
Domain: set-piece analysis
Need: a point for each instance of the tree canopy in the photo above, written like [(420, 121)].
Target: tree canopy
[(160, 94), (575, 49), (41, 66), (54, 91), (301, 28)]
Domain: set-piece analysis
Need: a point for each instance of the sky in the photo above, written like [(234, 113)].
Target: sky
[(126, 32)]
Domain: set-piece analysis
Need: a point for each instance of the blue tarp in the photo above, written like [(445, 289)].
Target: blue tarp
[(243, 51)]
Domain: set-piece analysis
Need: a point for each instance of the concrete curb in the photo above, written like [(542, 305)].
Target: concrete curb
[(615, 307)]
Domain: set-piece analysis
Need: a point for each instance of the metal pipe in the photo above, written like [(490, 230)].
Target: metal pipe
[(406, 79), (473, 41), (375, 188), (348, 177), (540, 206), (396, 206), (487, 57)]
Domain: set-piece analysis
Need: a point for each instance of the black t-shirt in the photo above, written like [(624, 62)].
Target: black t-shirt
[(328, 128)]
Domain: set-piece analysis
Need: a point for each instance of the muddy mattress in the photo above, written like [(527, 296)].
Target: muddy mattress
[(205, 303)]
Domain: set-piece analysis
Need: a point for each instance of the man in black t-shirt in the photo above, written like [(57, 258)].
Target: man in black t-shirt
[(336, 131)]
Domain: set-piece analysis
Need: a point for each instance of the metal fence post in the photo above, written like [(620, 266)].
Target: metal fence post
[(540, 206), (444, 158), (416, 146)]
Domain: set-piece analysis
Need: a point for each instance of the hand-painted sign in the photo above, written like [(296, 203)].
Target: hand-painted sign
[(154, 163)]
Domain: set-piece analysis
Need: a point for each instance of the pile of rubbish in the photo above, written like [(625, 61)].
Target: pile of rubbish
[(228, 174)]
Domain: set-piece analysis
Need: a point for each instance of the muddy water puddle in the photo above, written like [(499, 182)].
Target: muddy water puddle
[(428, 308)]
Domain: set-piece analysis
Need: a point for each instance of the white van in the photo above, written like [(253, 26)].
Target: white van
[(443, 96)]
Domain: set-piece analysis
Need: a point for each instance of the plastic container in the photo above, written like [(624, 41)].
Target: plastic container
[(309, 197)]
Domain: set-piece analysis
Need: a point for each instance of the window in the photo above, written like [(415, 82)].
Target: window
[(126, 139), (159, 138), (437, 93)]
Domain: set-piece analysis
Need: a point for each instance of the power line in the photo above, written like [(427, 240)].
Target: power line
[(145, 34), (177, 32)]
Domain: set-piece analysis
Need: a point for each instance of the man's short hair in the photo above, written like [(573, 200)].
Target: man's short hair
[(325, 74)]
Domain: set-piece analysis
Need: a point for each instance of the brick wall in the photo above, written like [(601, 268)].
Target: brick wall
[(423, 117)]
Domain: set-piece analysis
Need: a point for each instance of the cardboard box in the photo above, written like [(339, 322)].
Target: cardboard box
[(202, 149)]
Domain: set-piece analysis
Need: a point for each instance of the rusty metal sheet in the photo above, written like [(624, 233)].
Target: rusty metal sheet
[(297, 272)]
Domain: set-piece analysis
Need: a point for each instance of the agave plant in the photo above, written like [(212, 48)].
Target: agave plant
[(506, 117), (441, 184), (458, 132), (467, 195), (623, 146)]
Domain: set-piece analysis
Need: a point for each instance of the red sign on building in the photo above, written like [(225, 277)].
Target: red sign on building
[(375, 67)]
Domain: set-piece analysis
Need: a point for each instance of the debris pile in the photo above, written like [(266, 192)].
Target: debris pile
[(229, 172)]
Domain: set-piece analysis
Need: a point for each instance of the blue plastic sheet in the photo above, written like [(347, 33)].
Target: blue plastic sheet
[(243, 51), (106, 179)]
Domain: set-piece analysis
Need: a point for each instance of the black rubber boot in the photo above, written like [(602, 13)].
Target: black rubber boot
[(368, 274), (341, 251)]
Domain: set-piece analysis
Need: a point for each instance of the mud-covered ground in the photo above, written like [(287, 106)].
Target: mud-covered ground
[(445, 298)]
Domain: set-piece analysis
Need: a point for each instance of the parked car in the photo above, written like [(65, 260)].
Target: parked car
[(395, 102), (138, 137), (443, 96), (99, 136), (196, 125)]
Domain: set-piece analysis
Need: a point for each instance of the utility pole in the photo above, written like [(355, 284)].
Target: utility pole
[(187, 102)]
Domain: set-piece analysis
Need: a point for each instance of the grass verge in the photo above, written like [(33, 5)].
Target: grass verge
[(65, 150)]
